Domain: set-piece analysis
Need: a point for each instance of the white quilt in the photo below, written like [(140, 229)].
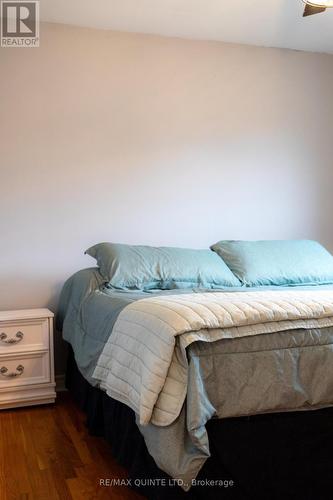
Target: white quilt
[(144, 362)]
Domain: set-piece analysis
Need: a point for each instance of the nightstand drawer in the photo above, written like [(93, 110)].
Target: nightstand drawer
[(26, 358), (24, 335), (23, 370)]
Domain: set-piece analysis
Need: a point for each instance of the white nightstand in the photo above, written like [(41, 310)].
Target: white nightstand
[(26, 358)]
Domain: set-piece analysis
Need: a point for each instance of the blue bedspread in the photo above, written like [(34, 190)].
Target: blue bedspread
[(280, 371)]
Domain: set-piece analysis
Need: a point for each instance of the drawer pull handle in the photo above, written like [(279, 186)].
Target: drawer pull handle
[(19, 371), (14, 340)]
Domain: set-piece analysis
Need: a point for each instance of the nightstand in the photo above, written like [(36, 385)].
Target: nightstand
[(26, 358)]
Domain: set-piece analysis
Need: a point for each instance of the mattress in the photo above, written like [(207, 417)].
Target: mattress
[(275, 456), (275, 371)]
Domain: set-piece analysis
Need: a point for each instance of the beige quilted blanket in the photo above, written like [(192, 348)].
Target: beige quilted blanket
[(144, 362)]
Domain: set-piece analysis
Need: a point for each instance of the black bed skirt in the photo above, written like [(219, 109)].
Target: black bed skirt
[(279, 456)]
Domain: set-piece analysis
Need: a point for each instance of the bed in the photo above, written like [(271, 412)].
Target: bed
[(161, 401)]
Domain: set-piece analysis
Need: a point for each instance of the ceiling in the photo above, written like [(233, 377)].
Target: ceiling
[(272, 23)]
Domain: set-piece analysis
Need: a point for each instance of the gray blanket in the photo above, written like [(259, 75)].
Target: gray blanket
[(280, 371)]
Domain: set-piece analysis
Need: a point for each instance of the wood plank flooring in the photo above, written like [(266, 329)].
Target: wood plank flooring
[(46, 453)]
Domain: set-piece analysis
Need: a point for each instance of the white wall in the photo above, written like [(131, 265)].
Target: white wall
[(142, 139)]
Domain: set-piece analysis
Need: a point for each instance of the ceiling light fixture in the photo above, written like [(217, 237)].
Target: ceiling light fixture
[(320, 3), (316, 6)]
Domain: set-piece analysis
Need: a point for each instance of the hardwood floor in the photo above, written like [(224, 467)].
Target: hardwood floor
[(46, 453)]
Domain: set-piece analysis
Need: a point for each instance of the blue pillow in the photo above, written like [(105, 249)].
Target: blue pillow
[(283, 263), (143, 267)]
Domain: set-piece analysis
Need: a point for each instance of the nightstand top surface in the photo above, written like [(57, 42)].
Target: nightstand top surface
[(25, 314)]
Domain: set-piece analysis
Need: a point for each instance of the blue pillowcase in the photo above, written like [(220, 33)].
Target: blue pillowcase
[(283, 263), (144, 268)]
